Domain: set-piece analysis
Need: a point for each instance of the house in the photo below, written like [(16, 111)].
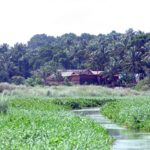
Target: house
[(81, 76), (84, 76)]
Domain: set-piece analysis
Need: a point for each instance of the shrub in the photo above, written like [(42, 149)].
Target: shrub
[(33, 81), (67, 82), (143, 84), (18, 80)]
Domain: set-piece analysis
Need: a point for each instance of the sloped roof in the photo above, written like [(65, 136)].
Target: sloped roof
[(67, 73), (97, 72)]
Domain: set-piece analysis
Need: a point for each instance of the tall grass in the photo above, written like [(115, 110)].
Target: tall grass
[(74, 91), (4, 103)]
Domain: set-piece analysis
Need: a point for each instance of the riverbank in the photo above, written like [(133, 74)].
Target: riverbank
[(133, 112)]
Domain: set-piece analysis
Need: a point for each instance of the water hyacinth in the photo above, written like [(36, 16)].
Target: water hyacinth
[(41, 124), (132, 112)]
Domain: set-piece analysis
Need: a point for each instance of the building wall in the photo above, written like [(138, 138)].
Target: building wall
[(83, 79), (74, 79), (88, 79)]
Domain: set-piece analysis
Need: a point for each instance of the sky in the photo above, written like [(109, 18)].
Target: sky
[(21, 19)]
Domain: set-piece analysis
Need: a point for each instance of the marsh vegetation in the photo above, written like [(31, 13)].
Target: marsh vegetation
[(40, 118)]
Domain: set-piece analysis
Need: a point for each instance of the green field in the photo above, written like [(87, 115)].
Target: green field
[(40, 117)]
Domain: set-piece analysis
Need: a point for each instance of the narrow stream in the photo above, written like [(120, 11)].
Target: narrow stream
[(124, 139)]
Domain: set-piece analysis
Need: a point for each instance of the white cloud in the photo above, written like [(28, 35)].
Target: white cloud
[(21, 19)]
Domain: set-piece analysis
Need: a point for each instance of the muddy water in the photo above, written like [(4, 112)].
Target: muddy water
[(124, 139)]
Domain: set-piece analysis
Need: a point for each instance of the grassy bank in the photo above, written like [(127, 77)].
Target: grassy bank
[(41, 124), (132, 112)]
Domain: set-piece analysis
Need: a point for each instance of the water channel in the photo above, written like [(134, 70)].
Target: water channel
[(124, 139)]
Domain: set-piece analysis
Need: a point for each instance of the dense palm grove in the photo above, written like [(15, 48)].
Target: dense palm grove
[(114, 53)]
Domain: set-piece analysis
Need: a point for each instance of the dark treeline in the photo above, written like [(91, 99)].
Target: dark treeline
[(114, 53)]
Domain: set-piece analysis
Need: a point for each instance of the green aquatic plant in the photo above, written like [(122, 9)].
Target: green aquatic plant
[(133, 112), (34, 123)]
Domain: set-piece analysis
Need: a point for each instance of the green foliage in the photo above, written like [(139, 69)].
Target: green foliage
[(51, 130), (132, 112), (3, 107), (3, 104), (76, 103), (58, 76), (35, 104), (36, 121), (40, 124), (114, 53), (66, 82), (33, 81), (143, 84), (4, 76), (18, 80)]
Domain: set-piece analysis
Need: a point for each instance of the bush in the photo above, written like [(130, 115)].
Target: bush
[(67, 82), (33, 81), (143, 84), (6, 86), (18, 80)]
